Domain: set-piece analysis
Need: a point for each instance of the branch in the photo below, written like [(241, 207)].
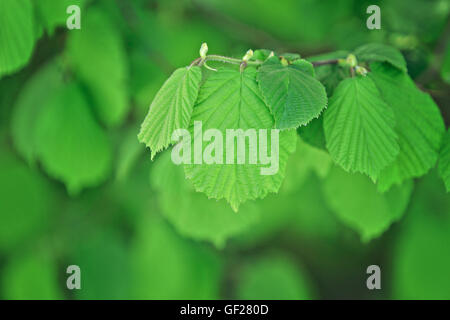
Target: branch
[(230, 60), (324, 62)]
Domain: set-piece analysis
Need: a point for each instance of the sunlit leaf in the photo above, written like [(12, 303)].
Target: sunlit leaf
[(171, 109), (359, 128), (420, 126), (293, 95), (231, 100)]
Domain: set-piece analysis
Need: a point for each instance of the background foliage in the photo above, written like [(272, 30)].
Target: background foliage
[(76, 187)]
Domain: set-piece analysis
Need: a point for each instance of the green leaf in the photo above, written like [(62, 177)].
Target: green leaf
[(420, 258), (97, 55), (25, 202), (17, 34), (39, 88), (70, 144), (359, 205), (171, 109), (53, 13), (294, 96), (261, 54), (31, 276), (231, 100), (166, 266), (193, 214), (444, 162), (381, 53), (304, 66), (359, 128), (273, 277), (420, 126)]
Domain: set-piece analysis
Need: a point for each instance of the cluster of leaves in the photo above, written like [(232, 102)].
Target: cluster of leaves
[(377, 123)]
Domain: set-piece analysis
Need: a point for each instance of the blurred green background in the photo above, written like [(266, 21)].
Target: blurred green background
[(76, 187)]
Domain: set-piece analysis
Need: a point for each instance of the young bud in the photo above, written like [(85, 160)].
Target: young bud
[(361, 70), (351, 60), (203, 50), (248, 55)]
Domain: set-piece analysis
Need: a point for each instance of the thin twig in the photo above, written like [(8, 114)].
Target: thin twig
[(324, 62)]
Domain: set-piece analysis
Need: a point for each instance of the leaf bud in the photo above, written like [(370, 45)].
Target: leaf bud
[(203, 50), (248, 55)]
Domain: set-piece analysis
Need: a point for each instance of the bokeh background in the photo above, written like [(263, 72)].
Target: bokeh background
[(76, 187)]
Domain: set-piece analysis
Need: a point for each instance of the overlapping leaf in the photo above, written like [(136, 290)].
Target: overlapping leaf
[(381, 53), (359, 128), (231, 100), (292, 93), (420, 126), (171, 109)]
